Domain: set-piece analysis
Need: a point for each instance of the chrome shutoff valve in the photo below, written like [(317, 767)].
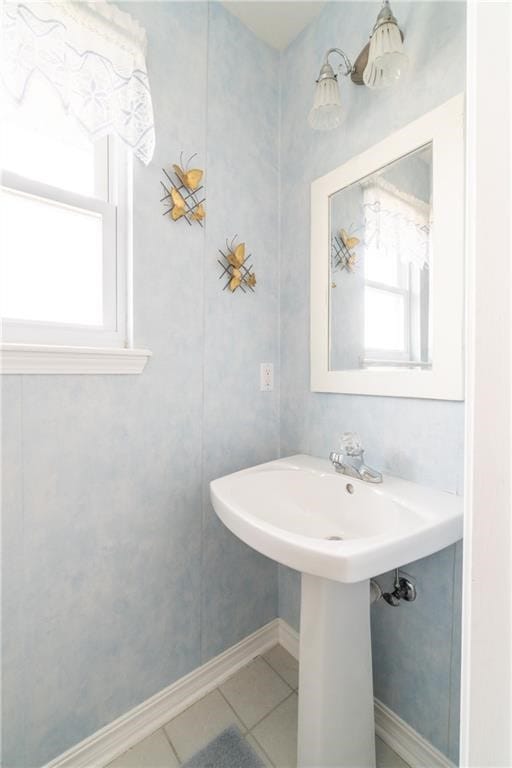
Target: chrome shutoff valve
[(403, 589)]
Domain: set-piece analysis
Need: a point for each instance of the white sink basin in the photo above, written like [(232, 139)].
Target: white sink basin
[(289, 509)]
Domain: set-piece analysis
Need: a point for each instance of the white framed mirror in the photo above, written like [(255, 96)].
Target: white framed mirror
[(387, 265)]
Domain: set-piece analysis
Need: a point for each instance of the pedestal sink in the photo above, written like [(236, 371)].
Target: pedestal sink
[(339, 532)]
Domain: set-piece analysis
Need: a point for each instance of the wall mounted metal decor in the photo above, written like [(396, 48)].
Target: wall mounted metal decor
[(184, 193), (235, 269), (342, 254)]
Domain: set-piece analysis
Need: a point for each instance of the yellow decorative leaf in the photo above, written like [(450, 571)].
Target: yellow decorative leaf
[(179, 206), (199, 213), (351, 262), (191, 179), (237, 257), (240, 254), (348, 242)]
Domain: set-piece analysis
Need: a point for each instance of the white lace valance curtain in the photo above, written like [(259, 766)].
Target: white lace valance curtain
[(398, 221), (93, 54)]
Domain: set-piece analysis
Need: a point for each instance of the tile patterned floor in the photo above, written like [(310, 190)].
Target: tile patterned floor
[(261, 699)]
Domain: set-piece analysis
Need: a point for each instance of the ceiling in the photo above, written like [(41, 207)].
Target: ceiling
[(275, 22)]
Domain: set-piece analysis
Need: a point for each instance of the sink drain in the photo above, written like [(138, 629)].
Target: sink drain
[(334, 538)]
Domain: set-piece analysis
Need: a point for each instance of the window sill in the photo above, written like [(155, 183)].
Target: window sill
[(46, 359)]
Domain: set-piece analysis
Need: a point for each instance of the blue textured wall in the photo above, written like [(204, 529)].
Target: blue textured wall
[(415, 648), (118, 578)]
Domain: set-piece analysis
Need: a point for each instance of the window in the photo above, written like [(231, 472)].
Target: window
[(66, 228), (396, 273), (387, 296)]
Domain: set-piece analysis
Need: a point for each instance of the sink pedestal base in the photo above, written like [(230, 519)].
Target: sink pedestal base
[(336, 724)]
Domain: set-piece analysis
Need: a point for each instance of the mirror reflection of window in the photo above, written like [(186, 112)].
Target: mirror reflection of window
[(379, 312), (397, 227)]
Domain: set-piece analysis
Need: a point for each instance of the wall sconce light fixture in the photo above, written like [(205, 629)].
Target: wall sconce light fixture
[(381, 63)]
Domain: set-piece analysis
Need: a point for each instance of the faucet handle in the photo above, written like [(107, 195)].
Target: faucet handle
[(351, 444)]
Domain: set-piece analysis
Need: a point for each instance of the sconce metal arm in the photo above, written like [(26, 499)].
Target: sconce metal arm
[(327, 70)]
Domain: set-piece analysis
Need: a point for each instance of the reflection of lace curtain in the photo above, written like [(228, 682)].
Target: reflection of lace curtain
[(93, 54), (397, 221)]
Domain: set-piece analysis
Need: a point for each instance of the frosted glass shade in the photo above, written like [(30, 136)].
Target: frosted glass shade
[(386, 58), (327, 112)]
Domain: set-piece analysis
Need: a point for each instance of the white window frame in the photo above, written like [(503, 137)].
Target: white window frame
[(47, 347), (110, 167)]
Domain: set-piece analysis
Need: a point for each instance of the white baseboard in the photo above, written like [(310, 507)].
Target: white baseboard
[(395, 732), (111, 741), (288, 638), (405, 741)]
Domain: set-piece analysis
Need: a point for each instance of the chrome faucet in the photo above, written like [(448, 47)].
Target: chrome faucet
[(350, 460)]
